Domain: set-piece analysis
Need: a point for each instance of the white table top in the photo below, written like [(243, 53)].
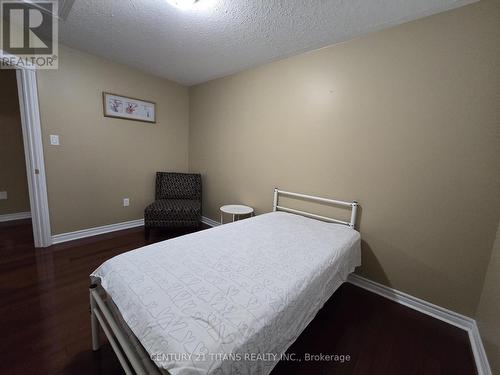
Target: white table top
[(236, 209)]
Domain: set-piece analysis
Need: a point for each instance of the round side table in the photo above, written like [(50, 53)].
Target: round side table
[(236, 210)]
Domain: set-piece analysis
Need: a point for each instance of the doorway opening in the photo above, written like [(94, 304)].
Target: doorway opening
[(15, 211), (21, 88)]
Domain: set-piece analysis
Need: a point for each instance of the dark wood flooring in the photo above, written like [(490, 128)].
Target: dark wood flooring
[(44, 319)]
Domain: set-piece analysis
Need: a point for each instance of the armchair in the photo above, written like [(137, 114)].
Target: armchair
[(177, 202)]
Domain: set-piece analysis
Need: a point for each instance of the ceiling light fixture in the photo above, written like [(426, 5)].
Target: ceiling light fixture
[(183, 4)]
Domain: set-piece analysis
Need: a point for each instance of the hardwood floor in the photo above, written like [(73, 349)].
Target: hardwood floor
[(45, 318)]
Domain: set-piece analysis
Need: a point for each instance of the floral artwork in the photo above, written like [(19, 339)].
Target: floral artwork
[(116, 105), (128, 108), (131, 107)]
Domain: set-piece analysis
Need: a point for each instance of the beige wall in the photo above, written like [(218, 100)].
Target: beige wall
[(12, 164), (407, 121), (488, 312), (103, 160)]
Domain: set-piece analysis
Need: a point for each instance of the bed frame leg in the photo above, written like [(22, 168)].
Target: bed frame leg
[(94, 323)]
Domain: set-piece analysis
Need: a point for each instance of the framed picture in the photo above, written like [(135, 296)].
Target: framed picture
[(128, 108)]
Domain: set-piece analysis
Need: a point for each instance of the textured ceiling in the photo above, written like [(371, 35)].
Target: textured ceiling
[(219, 37)]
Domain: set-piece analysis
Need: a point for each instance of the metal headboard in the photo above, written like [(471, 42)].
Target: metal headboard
[(353, 205)]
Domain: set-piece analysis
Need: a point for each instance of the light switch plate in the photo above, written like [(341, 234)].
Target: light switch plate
[(126, 202), (54, 140), (3, 195)]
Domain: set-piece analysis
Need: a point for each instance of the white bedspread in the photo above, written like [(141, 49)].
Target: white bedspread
[(231, 299)]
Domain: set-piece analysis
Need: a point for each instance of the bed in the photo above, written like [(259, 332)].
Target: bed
[(225, 300)]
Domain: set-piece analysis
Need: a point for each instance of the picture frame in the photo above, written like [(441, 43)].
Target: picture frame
[(128, 108)]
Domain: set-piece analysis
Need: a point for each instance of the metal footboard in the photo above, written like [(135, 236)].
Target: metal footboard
[(101, 316)]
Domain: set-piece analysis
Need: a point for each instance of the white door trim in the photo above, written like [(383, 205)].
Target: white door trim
[(33, 150)]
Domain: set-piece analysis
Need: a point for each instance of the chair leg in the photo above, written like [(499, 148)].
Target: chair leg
[(147, 233)]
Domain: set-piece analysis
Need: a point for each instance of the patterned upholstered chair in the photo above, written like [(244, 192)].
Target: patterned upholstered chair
[(177, 202)]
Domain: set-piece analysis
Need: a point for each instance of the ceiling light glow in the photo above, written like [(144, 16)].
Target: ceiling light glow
[(183, 4), (193, 5)]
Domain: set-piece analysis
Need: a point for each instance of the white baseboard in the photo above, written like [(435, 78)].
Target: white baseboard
[(16, 216), (445, 315), (70, 236), (64, 237), (210, 222)]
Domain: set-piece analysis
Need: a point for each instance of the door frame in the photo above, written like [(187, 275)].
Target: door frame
[(27, 89)]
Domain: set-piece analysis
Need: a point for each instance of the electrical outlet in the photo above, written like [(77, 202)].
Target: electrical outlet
[(3, 195), (126, 202)]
